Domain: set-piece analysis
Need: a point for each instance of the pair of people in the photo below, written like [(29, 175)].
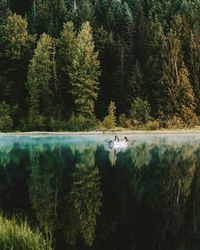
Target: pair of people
[(117, 138)]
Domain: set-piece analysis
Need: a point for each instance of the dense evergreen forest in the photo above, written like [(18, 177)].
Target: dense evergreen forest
[(86, 64)]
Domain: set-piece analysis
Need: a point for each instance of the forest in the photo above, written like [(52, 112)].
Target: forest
[(97, 64)]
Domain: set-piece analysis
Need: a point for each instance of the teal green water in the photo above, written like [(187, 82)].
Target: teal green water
[(92, 196)]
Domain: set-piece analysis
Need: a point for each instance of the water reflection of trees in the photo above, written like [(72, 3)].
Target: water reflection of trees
[(162, 181), (65, 198), (85, 196), (147, 197), (13, 179), (44, 184)]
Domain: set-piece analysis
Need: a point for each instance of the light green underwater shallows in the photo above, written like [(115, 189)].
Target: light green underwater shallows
[(19, 236)]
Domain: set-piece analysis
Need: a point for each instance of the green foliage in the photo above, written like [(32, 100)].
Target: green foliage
[(3, 10), (108, 50), (40, 81), (135, 84), (123, 121), (48, 16), (80, 123), (15, 37), (18, 236), (175, 122), (140, 110), (57, 123), (85, 11), (152, 125), (6, 121), (84, 73), (66, 48), (110, 121), (16, 46), (180, 99)]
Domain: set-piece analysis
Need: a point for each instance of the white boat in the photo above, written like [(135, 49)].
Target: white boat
[(120, 144)]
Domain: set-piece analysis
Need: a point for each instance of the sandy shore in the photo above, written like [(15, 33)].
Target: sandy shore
[(124, 132)]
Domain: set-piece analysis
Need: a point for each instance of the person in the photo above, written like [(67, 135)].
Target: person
[(126, 139), (116, 138)]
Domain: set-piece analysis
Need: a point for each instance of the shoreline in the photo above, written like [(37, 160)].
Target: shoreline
[(112, 132)]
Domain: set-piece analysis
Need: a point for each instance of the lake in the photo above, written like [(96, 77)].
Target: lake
[(92, 196)]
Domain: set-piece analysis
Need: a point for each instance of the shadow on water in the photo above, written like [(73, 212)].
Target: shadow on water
[(146, 197)]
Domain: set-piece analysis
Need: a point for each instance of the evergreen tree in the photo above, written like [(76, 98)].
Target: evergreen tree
[(153, 64), (3, 10), (140, 110), (47, 16), (110, 121), (16, 46), (178, 96), (135, 85), (84, 12), (84, 73), (194, 66), (66, 48), (40, 80)]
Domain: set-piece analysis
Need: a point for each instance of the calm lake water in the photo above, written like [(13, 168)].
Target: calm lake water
[(91, 196)]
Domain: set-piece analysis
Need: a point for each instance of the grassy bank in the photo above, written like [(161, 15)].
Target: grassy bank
[(19, 236)]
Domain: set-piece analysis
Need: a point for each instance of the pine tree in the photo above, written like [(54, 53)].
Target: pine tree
[(135, 85), (3, 10), (16, 46), (152, 67), (194, 66), (84, 12), (40, 79), (110, 121), (66, 48), (84, 73), (178, 96), (48, 16)]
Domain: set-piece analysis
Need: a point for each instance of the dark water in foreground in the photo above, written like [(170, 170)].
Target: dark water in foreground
[(90, 197)]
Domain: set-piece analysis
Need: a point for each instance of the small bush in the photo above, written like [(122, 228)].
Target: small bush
[(175, 122), (18, 236), (6, 121), (23, 125), (140, 110), (153, 125), (80, 123), (56, 124), (123, 121), (38, 122), (190, 119), (110, 121), (129, 123)]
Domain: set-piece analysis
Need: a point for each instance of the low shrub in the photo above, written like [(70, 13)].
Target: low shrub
[(6, 121), (38, 122), (129, 123), (57, 124), (18, 236), (140, 110), (175, 122), (80, 123), (123, 121), (153, 125), (110, 121)]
